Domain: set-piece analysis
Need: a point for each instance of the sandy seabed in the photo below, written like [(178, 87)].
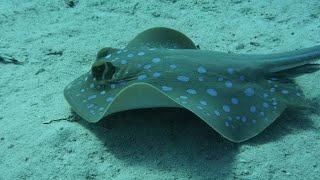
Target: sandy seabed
[(40, 138)]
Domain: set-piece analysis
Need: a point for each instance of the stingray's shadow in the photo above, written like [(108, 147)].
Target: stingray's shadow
[(165, 138)]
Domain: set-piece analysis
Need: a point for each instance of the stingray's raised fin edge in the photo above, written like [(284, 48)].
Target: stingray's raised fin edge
[(105, 52), (161, 37)]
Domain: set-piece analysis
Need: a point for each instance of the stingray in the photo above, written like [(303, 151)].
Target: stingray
[(238, 95)]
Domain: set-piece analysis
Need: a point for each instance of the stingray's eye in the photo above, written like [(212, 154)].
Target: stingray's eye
[(102, 70)]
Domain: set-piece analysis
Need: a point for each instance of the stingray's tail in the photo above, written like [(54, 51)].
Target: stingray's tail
[(282, 68), (291, 64), (296, 71)]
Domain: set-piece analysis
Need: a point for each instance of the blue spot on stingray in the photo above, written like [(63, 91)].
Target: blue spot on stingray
[(123, 61), (156, 74), (220, 79), (148, 66), (243, 119), (272, 89), (140, 53), (103, 92), (90, 106), (142, 77), (191, 91), (199, 107), (242, 78), (112, 86), (227, 124), (183, 97), (109, 99), (91, 85), (226, 108), (212, 92), (253, 109), (202, 70), (217, 113), (230, 70), (284, 91), (249, 92), (228, 83), (254, 121), (234, 101), (265, 95), (122, 82), (200, 78), (262, 113), (265, 104), (92, 97), (166, 88), (83, 90), (173, 66), (156, 60), (183, 78), (130, 55), (203, 103)]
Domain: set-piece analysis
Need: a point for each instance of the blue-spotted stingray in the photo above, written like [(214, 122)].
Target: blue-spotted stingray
[(238, 95)]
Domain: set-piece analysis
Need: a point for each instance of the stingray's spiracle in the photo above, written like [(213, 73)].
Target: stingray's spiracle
[(102, 70)]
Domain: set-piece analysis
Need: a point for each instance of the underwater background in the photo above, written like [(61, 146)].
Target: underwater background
[(44, 45)]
